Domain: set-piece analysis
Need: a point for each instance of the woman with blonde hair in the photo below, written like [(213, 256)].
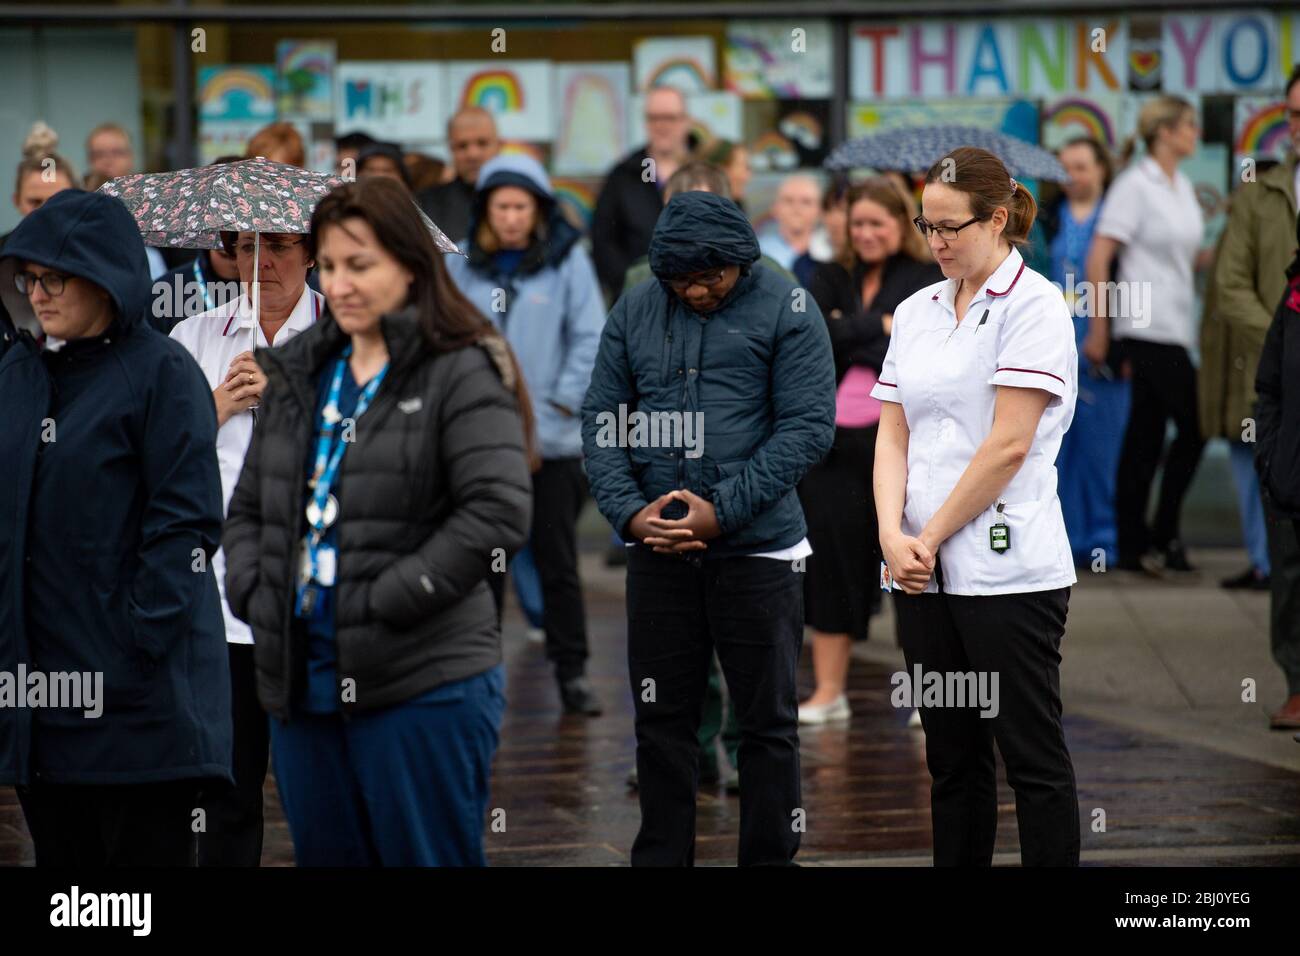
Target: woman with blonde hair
[(882, 260), (1152, 224)]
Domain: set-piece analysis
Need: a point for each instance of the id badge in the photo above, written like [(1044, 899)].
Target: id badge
[(1000, 538), (308, 600), (326, 565), (886, 578)]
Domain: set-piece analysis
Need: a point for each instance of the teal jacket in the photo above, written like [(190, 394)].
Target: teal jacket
[(751, 385)]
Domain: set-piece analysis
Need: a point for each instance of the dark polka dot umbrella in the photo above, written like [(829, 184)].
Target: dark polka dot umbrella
[(916, 149)]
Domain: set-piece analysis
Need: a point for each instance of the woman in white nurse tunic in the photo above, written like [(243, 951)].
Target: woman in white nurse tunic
[(978, 387)]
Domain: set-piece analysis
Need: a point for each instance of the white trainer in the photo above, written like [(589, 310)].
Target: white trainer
[(838, 709)]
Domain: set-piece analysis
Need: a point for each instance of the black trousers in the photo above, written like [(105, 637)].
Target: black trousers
[(678, 611), (97, 826), (1164, 388), (1018, 638), (233, 834), (559, 492)]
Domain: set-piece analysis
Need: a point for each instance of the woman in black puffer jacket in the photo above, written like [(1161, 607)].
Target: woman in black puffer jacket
[(387, 478)]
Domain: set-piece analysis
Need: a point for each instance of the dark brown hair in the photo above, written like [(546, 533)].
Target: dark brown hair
[(985, 180), (1099, 153), (884, 191), (448, 321)]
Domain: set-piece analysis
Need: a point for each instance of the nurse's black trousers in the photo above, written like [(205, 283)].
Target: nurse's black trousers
[(1018, 636)]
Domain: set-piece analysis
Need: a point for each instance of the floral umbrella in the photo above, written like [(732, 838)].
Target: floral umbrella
[(190, 208)]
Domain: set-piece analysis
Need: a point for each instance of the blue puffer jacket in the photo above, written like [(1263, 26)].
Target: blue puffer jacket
[(550, 309), (108, 530), (758, 371)]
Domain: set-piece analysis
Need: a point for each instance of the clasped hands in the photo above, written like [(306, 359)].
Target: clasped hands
[(910, 560), (679, 535)]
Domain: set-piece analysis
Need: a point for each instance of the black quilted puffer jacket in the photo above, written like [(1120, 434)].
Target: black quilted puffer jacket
[(434, 483)]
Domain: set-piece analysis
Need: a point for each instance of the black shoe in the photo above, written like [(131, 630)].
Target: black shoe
[(578, 697), (1176, 557), (1248, 580)]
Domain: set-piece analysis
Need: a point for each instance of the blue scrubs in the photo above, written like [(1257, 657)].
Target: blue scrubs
[(1088, 462), (406, 785)]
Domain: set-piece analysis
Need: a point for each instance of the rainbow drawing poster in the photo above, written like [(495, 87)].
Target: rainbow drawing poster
[(1259, 129), (1095, 115), (687, 63), (237, 93), (778, 59), (577, 199), (593, 123), (305, 78), (391, 100), (516, 92)]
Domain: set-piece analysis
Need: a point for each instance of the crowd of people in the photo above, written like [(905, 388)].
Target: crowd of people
[(903, 382)]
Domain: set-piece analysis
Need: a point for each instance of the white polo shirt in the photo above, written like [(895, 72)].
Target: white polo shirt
[(1161, 226), (214, 338), (946, 376)]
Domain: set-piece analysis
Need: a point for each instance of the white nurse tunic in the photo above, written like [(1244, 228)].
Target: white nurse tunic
[(1017, 331)]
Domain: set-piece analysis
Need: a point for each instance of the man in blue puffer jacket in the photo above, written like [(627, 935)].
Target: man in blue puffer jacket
[(713, 393)]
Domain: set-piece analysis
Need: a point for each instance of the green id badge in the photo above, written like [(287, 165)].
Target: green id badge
[(1000, 538), (1000, 533)]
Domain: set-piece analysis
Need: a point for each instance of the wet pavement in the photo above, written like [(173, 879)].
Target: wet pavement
[(1162, 797)]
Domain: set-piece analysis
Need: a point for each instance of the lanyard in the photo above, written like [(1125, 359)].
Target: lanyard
[(329, 451), (203, 286)]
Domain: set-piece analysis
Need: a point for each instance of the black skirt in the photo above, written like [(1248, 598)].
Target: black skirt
[(842, 577)]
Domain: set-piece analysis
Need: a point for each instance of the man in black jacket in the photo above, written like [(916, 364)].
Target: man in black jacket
[(472, 139), (629, 202)]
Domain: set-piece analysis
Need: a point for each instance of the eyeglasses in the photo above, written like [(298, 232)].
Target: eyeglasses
[(52, 282), (664, 117), (946, 233), (276, 249), (708, 280)]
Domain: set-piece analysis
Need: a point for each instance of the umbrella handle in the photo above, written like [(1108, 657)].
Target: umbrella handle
[(257, 314)]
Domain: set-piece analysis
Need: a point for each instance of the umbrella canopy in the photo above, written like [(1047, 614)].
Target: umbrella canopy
[(916, 149), (190, 208)]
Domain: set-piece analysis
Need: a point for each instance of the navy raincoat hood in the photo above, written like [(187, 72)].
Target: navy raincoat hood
[(90, 235), (698, 231)]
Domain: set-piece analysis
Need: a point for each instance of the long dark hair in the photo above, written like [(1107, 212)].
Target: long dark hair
[(448, 321)]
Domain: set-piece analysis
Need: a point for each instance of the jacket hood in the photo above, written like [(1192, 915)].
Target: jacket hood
[(517, 169), (699, 230), (89, 235)]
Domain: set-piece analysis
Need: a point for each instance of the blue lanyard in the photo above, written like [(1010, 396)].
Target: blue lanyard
[(329, 452), (203, 286)]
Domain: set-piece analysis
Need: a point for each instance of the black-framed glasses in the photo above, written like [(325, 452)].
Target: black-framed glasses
[(946, 233), (52, 282), (274, 247), (708, 280)]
